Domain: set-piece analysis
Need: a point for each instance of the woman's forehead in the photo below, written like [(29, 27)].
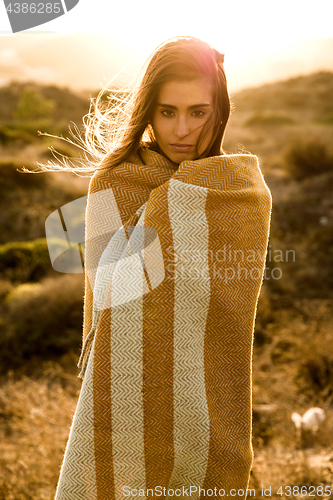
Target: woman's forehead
[(186, 92)]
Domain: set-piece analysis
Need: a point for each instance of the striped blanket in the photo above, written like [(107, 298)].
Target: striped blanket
[(174, 263)]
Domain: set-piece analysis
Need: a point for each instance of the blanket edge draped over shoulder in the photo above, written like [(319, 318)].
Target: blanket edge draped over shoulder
[(174, 264)]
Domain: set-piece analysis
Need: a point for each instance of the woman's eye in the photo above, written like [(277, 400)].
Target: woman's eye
[(199, 112), (167, 112)]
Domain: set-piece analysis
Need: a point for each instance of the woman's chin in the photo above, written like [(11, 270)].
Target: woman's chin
[(179, 156), (175, 156)]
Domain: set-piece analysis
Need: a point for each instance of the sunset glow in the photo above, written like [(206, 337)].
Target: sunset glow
[(239, 27), (262, 41)]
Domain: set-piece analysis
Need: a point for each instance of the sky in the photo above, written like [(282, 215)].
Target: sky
[(98, 38)]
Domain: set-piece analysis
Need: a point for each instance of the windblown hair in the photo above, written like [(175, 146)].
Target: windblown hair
[(116, 128)]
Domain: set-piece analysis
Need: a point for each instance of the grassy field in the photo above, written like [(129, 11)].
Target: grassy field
[(289, 126)]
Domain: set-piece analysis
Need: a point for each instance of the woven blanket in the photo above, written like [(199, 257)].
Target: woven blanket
[(174, 263)]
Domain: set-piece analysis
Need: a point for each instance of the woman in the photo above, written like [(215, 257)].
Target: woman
[(176, 242)]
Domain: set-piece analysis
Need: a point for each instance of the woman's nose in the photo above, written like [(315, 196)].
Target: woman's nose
[(182, 128)]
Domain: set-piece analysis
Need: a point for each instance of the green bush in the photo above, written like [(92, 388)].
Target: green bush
[(41, 320), (306, 158), (315, 377), (11, 178), (23, 261), (13, 133), (33, 105), (26, 132)]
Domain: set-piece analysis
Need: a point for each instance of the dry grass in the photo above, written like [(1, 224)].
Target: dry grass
[(35, 417), (275, 468), (293, 338), (41, 320)]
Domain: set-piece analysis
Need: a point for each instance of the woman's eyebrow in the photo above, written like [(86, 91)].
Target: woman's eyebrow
[(162, 105)]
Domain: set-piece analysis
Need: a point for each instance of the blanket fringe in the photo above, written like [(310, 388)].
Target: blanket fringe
[(84, 366), (85, 351)]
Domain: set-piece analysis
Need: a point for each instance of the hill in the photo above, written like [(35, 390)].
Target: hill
[(288, 124)]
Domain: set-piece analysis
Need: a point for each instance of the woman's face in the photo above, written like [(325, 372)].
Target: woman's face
[(183, 107)]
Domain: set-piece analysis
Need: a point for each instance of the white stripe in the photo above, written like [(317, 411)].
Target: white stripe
[(127, 380), (102, 220), (192, 292), (77, 479)]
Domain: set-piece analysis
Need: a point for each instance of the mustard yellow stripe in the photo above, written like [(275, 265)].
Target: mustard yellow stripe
[(103, 409), (158, 314)]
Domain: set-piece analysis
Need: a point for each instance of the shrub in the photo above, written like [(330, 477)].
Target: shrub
[(41, 320), (315, 376), (306, 158), (13, 133), (25, 260), (33, 105), (263, 429), (11, 178)]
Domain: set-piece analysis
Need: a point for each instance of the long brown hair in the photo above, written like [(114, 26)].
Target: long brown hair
[(116, 129)]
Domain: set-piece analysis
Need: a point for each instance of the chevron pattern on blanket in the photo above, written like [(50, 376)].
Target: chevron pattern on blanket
[(166, 392)]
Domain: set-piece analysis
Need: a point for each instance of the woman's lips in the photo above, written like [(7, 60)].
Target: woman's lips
[(181, 147)]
